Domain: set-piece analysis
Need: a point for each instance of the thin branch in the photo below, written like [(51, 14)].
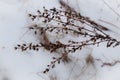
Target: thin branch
[(111, 8)]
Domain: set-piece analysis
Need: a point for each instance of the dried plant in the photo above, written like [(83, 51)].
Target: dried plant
[(68, 22)]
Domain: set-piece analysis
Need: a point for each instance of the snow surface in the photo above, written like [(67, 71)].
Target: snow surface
[(15, 65)]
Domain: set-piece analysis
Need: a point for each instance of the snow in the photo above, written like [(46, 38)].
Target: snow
[(17, 65)]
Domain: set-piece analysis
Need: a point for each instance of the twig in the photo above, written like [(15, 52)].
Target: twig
[(111, 8)]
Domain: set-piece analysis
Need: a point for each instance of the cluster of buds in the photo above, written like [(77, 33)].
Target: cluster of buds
[(67, 22)]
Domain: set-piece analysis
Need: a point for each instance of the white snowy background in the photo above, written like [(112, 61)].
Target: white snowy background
[(15, 65)]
